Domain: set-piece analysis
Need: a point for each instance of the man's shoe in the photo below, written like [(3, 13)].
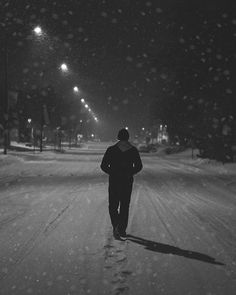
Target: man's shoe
[(116, 234), (123, 234)]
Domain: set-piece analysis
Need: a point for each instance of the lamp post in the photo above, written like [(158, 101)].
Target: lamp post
[(41, 128), (6, 103), (39, 33)]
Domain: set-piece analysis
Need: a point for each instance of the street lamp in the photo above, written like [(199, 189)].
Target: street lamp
[(64, 68), (38, 31), (30, 129), (6, 102), (76, 89)]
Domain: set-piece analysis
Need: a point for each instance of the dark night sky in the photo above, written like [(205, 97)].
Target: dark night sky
[(123, 54)]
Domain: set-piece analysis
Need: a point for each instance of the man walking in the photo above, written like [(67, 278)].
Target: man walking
[(120, 161)]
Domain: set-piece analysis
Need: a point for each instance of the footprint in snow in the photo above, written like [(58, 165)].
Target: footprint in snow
[(120, 290), (121, 259)]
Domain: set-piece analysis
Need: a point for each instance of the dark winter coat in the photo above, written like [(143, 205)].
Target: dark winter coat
[(121, 161)]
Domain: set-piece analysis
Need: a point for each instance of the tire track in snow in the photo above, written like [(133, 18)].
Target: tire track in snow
[(38, 236), (201, 200), (199, 213), (161, 211), (208, 207), (204, 212), (171, 224)]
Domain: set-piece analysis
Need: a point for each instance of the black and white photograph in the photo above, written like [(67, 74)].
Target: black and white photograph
[(117, 147)]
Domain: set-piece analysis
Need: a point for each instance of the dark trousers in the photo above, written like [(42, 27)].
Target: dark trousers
[(119, 200)]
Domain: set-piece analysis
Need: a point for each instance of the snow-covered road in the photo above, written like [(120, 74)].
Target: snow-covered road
[(56, 237)]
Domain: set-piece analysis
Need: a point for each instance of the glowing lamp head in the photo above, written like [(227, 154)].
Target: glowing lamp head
[(38, 31), (64, 67)]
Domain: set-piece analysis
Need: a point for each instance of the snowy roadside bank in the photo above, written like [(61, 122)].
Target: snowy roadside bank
[(223, 172), (184, 157), (208, 164)]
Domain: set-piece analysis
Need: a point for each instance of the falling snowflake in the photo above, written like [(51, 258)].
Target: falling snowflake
[(228, 91), (70, 36), (139, 65), (43, 10), (148, 3), (65, 22), (153, 70), (164, 76), (80, 29), (226, 72), (159, 10), (66, 44), (115, 108), (129, 58), (104, 14), (25, 71), (114, 21), (55, 16)]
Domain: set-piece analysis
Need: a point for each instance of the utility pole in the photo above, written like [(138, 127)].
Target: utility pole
[(6, 103), (41, 126)]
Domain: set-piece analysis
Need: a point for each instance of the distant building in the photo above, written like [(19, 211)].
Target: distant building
[(162, 135)]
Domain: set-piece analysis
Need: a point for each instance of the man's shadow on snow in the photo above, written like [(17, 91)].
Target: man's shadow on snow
[(168, 249)]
